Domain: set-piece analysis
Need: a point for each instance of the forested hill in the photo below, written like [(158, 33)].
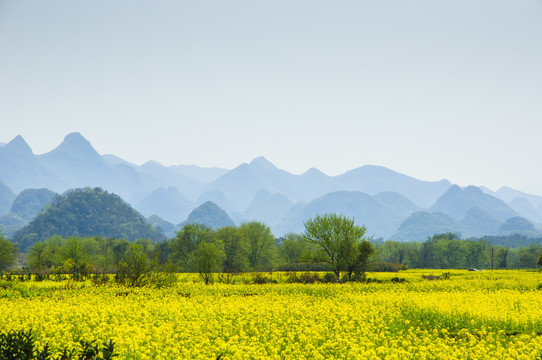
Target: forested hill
[(87, 212)]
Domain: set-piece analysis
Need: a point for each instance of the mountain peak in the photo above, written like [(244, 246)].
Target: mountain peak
[(75, 143), (262, 163), (19, 146), (75, 139)]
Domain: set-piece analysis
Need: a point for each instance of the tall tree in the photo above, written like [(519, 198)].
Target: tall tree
[(262, 244), (236, 249), (344, 243), (8, 253)]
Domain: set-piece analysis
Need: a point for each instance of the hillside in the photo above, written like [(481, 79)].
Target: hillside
[(6, 198), (31, 201), (456, 202), (87, 212), (168, 204), (380, 220), (209, 214)]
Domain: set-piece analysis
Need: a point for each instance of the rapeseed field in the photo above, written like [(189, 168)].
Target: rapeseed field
[(462, 315)]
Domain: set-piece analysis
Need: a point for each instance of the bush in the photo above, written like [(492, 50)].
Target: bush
[(329, 278), (261, 279), (19, 345)]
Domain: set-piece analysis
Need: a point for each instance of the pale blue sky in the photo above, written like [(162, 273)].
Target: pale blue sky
[(432, 89)]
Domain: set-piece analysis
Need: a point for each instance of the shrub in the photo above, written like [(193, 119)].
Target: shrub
[(19, 345)]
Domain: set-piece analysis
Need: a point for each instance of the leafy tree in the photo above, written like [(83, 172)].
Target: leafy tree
[(539, 262), (236, 249), (36, 257), (262, 244), (134, 269), (8, 252), (208, 258), (343, 242), (186, 241), (294, 248)]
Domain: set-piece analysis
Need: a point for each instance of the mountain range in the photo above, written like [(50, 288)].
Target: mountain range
[(391, 205)]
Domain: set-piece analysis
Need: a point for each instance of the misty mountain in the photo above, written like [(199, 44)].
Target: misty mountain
[(508, 194), (201, 174), (6, 198), (379, 219), (422, 224), (165, 227), (477, 223), (456, 202), (80, 165), (10, 223), (398, 202), (209, 214), (168, 204), (267, 207), (30, 202), (525, 209), (87, 212), (372, 180), (21, 169), (517, 225), (165, 176)]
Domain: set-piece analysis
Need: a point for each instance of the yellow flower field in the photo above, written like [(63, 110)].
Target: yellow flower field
[(489, 315)]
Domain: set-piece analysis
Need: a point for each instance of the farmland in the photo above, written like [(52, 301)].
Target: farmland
[(474, 315)]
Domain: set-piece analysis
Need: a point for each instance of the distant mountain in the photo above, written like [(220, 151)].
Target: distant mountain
[(379, 219), (217, 197), (267, 207), (517, 225), (508, 194), (422, 224), (159, 174), (526, 209), (31, 201), (165, 227), (242, 183), (87, 212), (10, 223), (6, 198), (372, 180), (209, 214), (477, 223), (456, 202), (202, 174), (80, 165), (259, 190), (168, 204), (21, 169), (398, 202)]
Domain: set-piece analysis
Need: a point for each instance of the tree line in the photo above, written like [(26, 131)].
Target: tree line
[(330, 242)]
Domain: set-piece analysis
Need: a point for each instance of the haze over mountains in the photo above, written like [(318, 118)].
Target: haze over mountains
[(391, 205)]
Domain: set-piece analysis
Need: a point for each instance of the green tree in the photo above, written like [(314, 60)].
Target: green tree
[(8, 252), (539, 262), (294, 248), (261, 244), (343, 242), (36, 257), (186, 242), (208, 258), (134, 269), (236, 249)]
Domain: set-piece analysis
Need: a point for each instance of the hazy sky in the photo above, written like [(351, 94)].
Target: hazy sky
[(432, 89)]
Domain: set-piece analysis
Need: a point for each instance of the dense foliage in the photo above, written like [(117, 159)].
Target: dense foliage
[(87, 212)]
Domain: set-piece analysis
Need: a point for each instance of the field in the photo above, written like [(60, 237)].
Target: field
[(471, 315)]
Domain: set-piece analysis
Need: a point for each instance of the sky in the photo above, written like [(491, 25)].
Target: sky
[(432, 89)]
